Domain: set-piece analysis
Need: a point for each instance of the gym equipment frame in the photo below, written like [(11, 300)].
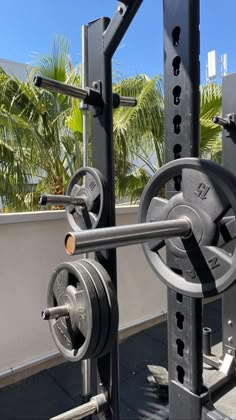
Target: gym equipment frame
[(189, 399)]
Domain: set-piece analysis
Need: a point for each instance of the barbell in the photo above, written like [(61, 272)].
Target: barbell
[(82, 302), (189, 224)]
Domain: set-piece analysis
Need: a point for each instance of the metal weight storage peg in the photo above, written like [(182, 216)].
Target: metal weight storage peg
[(82, 309), (84, 200)]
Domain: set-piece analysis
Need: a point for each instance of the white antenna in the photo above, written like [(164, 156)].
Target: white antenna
[(212, 74), (224, 65), (211, 66)]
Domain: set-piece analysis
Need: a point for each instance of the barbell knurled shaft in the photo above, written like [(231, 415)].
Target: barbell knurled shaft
[(118, 236)]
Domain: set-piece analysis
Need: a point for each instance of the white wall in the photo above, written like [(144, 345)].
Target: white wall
[(31, 245)]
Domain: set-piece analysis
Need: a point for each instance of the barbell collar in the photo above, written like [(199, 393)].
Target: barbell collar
[(54, 313), (118, 236), (62, 200)]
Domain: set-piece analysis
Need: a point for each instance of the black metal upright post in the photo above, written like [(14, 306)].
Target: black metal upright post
[(228, 160), (104, 37), (181, 89), (100, 77)]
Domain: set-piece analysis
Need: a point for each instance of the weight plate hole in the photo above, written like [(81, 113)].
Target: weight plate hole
[(72, 281)]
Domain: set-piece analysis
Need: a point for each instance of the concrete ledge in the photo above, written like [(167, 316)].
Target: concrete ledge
[(39, 216)]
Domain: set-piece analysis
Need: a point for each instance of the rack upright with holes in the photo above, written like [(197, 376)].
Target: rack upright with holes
[(188, 398)]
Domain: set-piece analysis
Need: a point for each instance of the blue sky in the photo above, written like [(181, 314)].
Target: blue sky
[(28, 27)]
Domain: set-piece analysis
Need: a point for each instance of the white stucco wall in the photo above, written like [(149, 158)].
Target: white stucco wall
[(31, 245)]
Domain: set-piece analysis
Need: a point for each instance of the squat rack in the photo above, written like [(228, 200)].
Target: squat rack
[(188, 398)]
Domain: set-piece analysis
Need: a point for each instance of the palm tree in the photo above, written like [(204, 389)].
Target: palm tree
[(41, 132), (139, 132), (210, 105), (49, 126), (37, 139)]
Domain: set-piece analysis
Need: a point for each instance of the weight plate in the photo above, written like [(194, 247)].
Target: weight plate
[(208, 192), (103, 305), (88, 183), (77, 334), (112, 302)]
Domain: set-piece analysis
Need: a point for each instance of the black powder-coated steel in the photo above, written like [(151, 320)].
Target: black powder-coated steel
[(181, 89), (228, 160), (102, 159), (104, 37)]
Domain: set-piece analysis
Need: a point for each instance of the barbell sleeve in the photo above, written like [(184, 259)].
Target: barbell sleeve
[(61, 200), (96, 404), (118, 236)]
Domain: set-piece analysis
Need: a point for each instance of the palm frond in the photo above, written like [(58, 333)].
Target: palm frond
[(211, 102)]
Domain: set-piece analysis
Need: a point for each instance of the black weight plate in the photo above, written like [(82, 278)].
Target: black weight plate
[(227, 233), (206, 196), (208, 192), (94, 334), (75, 335), (112, 302), (93, 188), (103, 305)]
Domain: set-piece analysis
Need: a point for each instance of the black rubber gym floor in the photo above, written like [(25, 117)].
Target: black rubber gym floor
[(58, 389)]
